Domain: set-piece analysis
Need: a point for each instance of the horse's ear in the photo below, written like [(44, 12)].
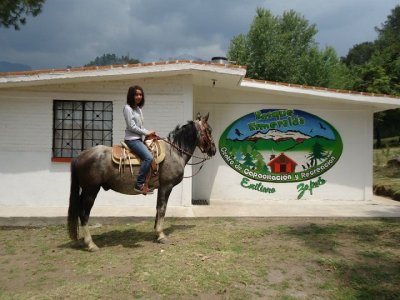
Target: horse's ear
[(198, 117), (205, 118)]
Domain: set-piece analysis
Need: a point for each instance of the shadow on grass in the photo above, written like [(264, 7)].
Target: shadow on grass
[(320, 238), (371, 278), (129, 238), (326, 237), (368, 267)]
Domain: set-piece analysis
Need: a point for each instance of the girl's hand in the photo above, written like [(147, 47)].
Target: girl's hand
[(151, 134)]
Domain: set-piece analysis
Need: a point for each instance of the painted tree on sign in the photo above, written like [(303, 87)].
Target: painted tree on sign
[(238, 155), (317, 153), (261, 167), (248, 161)]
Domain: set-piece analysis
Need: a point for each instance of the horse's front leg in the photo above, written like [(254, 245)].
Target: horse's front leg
[(162, 201)]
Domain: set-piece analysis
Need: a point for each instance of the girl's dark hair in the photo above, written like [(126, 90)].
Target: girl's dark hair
[(130, 97)]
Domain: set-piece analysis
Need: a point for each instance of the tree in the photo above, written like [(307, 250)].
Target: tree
[(283, 49), (111, 59), (260, 165), (317, 153), (323, 68), (238, 155), (387, 57), (388, 44), (376, 66), (14, 12), (248, 161), (359, 54)]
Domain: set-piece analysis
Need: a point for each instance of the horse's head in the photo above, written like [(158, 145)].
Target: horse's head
[(206, 141)]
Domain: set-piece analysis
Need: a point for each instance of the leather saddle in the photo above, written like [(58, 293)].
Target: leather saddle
[(122, 155)]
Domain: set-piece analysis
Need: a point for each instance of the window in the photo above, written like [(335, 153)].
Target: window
[(80, 125)]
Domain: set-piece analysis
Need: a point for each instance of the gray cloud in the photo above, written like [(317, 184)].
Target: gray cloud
[(76, 31)]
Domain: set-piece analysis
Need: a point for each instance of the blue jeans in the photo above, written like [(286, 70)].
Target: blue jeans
[(140, 149)]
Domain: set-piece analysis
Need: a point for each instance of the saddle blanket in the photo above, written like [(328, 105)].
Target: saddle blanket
[(121, 154)]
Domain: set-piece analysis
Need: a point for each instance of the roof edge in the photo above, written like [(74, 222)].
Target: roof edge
[(119, 66), (316, 88), (48, 76)]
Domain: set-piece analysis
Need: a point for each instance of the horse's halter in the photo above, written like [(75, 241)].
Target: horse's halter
[(205, 142)]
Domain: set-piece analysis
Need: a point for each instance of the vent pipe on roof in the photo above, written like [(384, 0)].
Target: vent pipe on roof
[(219, 60)]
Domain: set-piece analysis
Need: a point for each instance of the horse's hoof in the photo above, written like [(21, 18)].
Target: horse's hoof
[(93, 248), (163, 240)]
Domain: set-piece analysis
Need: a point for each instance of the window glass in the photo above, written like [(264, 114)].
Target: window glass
[(80, 125)]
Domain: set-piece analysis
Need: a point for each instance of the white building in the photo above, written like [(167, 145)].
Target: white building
[(34, 169)]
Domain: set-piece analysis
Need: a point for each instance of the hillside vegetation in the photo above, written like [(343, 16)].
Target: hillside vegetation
[(387, 170)]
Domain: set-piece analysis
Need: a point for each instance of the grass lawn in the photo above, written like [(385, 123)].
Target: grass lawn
[(213, 258), (209, 258)]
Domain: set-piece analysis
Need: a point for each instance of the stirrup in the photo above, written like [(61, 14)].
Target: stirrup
[(143, 190)]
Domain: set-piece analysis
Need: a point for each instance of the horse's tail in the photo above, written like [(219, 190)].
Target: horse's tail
[(74, 205)]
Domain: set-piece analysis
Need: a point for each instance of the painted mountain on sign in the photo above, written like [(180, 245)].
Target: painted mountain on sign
[(278, 135), (281, 141)]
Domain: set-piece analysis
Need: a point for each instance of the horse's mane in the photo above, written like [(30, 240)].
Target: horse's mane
[(185, 136)]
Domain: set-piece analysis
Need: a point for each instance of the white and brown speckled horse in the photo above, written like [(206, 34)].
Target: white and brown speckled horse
[(94, 169)]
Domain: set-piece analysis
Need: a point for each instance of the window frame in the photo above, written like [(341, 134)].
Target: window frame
[(83, 131)]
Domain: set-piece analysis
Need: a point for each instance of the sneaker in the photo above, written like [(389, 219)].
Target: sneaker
[(142, 190)]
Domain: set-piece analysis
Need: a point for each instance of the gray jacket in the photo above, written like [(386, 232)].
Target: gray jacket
[(134, 123)]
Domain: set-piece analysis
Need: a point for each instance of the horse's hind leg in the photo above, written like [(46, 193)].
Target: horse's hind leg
[(87, 201)]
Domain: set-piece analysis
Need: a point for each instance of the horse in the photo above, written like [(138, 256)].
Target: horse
[(94, 169)]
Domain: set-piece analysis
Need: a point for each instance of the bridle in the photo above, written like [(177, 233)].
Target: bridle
[(204, 143), (204, 137)]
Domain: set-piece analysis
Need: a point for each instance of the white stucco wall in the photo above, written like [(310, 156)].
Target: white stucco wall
[(349, 179), (29, 178), (27, 175)]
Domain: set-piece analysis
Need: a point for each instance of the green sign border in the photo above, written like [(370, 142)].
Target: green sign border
[(278, 177)]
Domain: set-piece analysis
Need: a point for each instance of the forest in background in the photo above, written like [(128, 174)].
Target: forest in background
[(283, 48)]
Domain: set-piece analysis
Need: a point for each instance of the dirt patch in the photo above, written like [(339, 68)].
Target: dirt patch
[(208, 258)]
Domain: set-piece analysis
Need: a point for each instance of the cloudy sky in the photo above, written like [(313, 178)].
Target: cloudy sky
[(74, 32)]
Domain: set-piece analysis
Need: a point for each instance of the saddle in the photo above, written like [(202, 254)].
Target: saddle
[(122, 155)]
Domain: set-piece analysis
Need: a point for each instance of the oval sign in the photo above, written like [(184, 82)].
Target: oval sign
[(280, 145)]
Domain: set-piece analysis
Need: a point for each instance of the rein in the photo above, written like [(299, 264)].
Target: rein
[(202, 162), (202, 159)]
